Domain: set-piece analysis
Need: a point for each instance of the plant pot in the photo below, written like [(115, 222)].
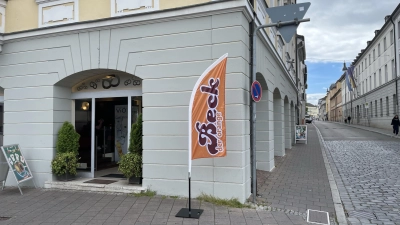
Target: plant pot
[(135, 180), (66, 177)]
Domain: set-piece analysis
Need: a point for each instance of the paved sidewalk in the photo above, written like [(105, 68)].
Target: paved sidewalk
[(386, 132), (299, 181), (43, 206)]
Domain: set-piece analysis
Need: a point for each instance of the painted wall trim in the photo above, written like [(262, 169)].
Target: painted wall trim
[(150, 5), (206, 9), (59, 3)]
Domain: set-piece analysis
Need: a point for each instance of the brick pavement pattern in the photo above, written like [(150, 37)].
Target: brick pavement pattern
[(370, 177), (299, 181), (47, 207)]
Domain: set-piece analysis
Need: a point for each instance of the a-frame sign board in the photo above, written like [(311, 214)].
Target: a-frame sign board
[(12, 159)]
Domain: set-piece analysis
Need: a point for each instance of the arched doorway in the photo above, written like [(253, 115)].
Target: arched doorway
[(265, 152), (279, 129), (103, 106), (287, 119)]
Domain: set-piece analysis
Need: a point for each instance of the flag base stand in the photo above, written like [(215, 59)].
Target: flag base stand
[(189, 213)]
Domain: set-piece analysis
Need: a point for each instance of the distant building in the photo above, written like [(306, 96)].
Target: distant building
[(312, 110), (322, 108), (375, 100)]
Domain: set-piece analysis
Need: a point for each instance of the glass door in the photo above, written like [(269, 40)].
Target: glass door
[(83, 126)]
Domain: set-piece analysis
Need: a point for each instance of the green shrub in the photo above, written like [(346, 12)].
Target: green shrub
[(136, 137), (67, 146), (131, 165), (68, 139), (64, 163)]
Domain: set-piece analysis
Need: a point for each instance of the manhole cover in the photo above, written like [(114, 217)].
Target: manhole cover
[(364, 215), (4, 218), (317, 217)]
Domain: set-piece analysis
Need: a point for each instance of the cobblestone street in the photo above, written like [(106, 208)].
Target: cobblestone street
[(368, 173)]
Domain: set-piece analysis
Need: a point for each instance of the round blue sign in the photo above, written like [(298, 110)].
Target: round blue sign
[(256, 91)]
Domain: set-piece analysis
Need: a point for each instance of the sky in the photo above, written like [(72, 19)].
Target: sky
[(337, 31)]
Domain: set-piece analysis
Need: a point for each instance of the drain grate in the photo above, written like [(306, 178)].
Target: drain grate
[(363, 215), (4, 218), (317, 217)]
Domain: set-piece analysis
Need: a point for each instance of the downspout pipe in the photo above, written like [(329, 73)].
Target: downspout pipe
[(252, 109), (395, 64), (297, 76)]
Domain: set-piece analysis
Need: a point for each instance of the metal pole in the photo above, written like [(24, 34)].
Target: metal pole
[(253, 103)]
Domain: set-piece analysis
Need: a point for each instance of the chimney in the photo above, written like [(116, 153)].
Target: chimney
[(376, 32), (368, 42), (387, 18)]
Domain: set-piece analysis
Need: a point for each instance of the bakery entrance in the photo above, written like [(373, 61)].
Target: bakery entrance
[(104, 139), (104, 107)]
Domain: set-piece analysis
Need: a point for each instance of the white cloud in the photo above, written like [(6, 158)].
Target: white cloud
[(313, 98), (324, 88), (339, 29)]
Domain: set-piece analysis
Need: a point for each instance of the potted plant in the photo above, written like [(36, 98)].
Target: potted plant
[(65, 163), (64, 166), (131, 164)]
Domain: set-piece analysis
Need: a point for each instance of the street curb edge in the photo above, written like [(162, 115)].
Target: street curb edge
[(337, 202)]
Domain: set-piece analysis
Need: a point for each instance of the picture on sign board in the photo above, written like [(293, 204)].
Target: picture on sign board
[(301, 132), (17, 162)]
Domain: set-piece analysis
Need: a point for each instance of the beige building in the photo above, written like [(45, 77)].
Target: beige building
[(312, 110)]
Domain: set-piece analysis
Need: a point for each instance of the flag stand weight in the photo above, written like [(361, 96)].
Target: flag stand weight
[(189, 212)]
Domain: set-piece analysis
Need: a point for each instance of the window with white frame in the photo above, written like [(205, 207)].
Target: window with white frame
[(280, 46), (394, 104), (381, 104), (362, 85), (370, 83), (391, 37), (261, 13), (386, 74), (375, 80), (371, 112), (57, 12), (373, 53), (387, 106), (379, 49), (369, 59), (393, 70), (125, 7), (384, 44), (365, 60), (380, 77)]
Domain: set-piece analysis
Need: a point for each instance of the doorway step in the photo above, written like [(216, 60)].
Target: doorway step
[(98, 184)]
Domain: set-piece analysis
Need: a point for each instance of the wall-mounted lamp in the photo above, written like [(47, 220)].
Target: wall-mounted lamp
[(85, 106)]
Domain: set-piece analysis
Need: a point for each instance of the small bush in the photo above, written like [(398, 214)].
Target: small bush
[(131, 165), (64, 163), (136, 141), (68, 139)]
